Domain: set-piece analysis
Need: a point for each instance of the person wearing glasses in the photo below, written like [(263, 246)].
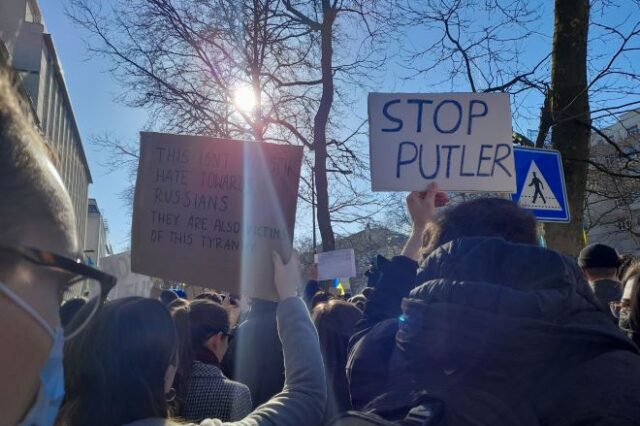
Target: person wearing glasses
[(39, 270), (202, 390)]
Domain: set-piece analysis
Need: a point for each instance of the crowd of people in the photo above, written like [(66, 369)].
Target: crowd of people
[(473, 324)]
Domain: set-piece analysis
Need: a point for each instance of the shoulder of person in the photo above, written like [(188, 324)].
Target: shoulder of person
[(607, 386)]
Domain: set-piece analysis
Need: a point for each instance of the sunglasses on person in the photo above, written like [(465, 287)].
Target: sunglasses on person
[(85, 282)]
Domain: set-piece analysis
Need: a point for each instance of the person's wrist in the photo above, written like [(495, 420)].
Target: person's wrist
[(417, 228)]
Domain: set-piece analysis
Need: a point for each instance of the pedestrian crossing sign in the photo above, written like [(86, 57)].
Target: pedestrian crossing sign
[(540, 184)]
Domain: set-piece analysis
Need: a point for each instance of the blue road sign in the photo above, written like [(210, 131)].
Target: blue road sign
[(540, 184)]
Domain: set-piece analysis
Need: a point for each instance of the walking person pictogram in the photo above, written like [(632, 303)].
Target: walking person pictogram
[(538, 186)]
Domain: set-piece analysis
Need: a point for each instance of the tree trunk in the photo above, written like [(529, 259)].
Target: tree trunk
[(320, 130), (570, 109)]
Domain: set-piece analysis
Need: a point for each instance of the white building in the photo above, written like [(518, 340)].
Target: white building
[(96, 244), (33, 56), (613, 204)]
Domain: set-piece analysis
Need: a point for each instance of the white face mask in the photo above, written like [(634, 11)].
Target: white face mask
[(45, 409)]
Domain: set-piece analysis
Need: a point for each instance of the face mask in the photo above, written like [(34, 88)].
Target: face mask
[(45, 409)]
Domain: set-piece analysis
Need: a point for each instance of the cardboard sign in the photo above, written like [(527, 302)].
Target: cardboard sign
[(210, 212), (129, 284), (336, 264), (462, 141)]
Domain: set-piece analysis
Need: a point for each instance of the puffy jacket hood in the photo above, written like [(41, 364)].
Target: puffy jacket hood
[(491, 299)]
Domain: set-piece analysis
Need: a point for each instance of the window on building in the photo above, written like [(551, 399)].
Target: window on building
[(624, 224), (31, 13)]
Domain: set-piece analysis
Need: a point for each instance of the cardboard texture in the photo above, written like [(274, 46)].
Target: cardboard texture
[(462, 141), (209, 212)]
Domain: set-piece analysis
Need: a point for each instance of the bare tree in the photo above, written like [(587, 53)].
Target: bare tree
[(480, 44), (188, 61)]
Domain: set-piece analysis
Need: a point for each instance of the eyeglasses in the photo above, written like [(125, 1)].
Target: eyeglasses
[(87, 283)]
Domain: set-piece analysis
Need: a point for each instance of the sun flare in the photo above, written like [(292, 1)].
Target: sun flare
[(244, 98)]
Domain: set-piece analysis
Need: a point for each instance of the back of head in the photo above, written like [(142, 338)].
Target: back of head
[(168, 296), (335, 321), (115, 369), (195, 322), (482, 217), (599, 261), (318, 298), (207, 295)]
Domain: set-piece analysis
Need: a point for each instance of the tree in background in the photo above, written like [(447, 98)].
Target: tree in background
[(498, 45), (251, 69)]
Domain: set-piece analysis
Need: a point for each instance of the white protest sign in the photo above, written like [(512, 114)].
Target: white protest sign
[(335, 264), (462, 141), (210, 212), (129, 283)]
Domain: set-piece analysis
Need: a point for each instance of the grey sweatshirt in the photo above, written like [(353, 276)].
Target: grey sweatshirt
[(302, 399)]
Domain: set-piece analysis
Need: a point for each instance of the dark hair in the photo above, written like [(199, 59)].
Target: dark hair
[(320, 297), (168, 296), (196, 322), (69, 309), (214, 297), (115, 368), (335, 321), (482, 217), (32, 192)]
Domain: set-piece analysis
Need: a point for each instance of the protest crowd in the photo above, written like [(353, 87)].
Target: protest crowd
[(473, 324)]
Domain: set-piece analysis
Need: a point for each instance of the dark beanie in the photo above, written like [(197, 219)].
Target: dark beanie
[(598, 256)]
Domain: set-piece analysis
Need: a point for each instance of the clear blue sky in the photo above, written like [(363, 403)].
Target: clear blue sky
[(93, 90)]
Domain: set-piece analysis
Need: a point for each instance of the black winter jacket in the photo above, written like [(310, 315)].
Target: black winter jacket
[(502, 333)]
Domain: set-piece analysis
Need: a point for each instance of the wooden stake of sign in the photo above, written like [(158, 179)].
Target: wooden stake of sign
[(210, 212)]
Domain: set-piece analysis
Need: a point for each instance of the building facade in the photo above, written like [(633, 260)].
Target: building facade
[(96, 243), (32, 55), (613, 199)]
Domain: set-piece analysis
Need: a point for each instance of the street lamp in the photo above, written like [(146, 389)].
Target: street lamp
[(313, 198)]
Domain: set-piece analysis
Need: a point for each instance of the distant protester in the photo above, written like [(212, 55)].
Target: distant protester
[(120, 369), (335, 321), (493, 329), (600, 264), (202, 390), (255, 355)]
